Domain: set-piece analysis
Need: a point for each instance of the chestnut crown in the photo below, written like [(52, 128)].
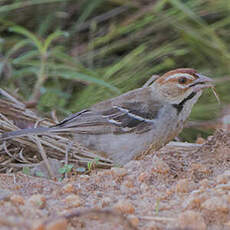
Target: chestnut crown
[(178, 84)]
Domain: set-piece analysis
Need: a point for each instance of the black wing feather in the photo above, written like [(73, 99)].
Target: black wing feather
[(128, 117)]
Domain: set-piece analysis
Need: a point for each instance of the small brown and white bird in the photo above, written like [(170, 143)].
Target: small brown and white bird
[(125, 126)]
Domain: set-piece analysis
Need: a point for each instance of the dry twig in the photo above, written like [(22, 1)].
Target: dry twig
[(14, 115)]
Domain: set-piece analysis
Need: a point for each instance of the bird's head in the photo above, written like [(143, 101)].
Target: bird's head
[(176, 85)]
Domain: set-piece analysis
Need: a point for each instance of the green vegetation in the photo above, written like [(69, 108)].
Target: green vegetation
[(91, 164), (65, 169), (69, 54)]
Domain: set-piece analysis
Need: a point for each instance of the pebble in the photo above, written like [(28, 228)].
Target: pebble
[(159, 166), (118, 172), (200, 140), (227, 224), (124, 206), (223, 178), (205, 183), (38, 225), (133, 165), (143, 177), (68, 188), (223, 186), (183, 186), (133, 220), (84, 177), (106, 201), (194, 201), (219, 192), (59, 224), (216, 204), (152, 225), (191, 220), (73, 201), (128, 183), (17, 199), (198, 167), (37, 200), (144, 188)]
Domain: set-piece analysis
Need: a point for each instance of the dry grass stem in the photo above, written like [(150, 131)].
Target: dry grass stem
[(157, 218), (215, 94), (44, 156), (23, 150)]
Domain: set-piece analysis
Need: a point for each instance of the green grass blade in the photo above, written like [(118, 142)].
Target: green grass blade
[(52, 37), (84, 78), (28, 34)]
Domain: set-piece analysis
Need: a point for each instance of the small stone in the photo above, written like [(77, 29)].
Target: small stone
[(68, 188), (133, 165), (128, 183), (152, 225), (227, 224), (198, 167), (73, 201), (194, 201), (17, 199), (191, 220), (182, 186), (216, 204), (143, 177), (5, 194), (169, 192), (106, 172), (133, 220), (84, 177), (80, 170), (118, 172), (38, 225), (159, 166), (99, 194), (200, 140), (40, 170), (106, 201), (227, 197), (223, 178), (124, 206), (144, 187), (37, 200), (223, 186), (205, 183), (59, 224)]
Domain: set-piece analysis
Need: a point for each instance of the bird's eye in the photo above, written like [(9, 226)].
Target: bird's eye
[(182, 80)]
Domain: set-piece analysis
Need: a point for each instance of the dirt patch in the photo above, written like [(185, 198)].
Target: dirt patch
[(175, 188)]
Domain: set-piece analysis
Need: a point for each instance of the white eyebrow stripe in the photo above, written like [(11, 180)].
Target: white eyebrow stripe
[(180, 75), (182, 86), (137, 117), (114, 122)]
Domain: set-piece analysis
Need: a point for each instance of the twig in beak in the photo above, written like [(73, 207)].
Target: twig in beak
[(215, 94)]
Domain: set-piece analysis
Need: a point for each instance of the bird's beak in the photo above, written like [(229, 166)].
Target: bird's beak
[(201, 83)]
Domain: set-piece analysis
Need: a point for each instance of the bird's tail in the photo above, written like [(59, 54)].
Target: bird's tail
[(26, 132)]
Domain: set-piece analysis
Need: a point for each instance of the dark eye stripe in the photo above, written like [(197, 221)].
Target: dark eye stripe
[(197, 83)]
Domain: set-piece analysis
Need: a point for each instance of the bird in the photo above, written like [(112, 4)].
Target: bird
[(122, 128)]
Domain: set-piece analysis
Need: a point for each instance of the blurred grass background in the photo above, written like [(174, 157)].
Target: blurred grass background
[(69, 54)]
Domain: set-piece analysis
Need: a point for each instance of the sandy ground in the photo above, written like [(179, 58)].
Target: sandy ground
[(172, 189)]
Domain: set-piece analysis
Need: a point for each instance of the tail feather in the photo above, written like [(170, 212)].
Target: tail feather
[(25, 132)]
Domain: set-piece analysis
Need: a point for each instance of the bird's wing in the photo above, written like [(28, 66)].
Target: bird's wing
[(131, 112)]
